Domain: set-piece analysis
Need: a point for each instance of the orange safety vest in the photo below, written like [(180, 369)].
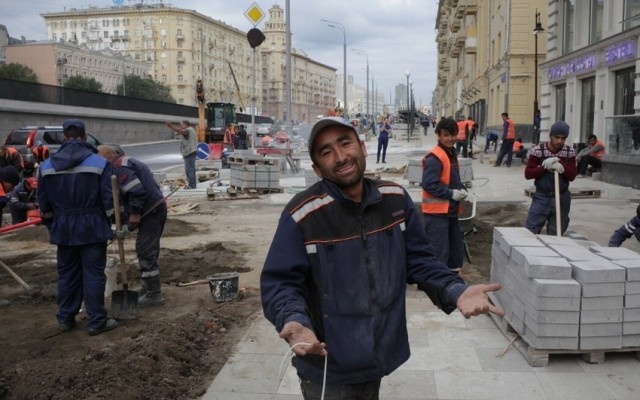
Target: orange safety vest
[(430, 203), (600, 153), (462, 130), (517, 146), (43, 156), (511, 129), (13, 153)]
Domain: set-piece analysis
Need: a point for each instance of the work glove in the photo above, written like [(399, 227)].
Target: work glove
[(557, 166), (459, 195), (122, 233), (546, 164)]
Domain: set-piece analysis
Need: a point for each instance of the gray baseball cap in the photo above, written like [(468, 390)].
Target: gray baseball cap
[(325, 123)]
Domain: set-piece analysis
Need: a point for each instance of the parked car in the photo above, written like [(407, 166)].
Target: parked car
[(264, 129), (25, 138)]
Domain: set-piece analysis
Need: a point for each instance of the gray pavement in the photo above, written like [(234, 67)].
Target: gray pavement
[(454, 358)]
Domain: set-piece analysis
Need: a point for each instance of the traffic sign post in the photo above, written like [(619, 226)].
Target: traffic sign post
[(202, 151)]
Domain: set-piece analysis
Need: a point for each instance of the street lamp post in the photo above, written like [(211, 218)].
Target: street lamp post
[(367, 93), (536, 128), (408, 74), (334, 24)]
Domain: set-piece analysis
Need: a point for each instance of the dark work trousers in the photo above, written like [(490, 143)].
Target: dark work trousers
[(81, 275), (445, 237), (505, 149), (148, 241), (489, 143), (382, 146), (462, 144), (543, 211), (190, 169), (586, 161), (361, 391)]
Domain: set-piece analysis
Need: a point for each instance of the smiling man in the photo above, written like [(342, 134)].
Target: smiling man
[(334, 281)]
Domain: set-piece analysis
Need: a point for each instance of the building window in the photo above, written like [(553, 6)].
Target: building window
[(587, 113), (180, 79), (624, 92), (164, 78), (561, 102), (567, 21), (631, 14), (105, 34), (595, 28)]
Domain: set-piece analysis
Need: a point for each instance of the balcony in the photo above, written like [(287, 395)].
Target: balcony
[(460, 11), (444, 64), (179, 36), (455, 25), (180, 59), (472, 7)]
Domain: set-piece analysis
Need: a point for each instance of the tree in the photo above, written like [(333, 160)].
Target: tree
[(83, 83), (18, 72), (145, 88)]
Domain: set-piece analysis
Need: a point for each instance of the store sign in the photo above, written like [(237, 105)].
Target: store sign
[(576, 66), (620, 52)]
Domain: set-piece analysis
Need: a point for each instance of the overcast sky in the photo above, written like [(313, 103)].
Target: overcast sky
[(398, 35)]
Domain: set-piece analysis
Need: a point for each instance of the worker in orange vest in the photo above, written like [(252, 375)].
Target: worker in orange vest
[(11, 156), (508, 137), (442, 191), (519, 151), (229, 134), (40, 152), (590, 156), (462, 138), (23, 201)]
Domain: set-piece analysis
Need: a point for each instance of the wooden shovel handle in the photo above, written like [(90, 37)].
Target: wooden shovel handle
[(115, 189), (199, 282)]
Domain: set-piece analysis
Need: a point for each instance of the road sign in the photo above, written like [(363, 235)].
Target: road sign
[(254, 14), (203, 151)]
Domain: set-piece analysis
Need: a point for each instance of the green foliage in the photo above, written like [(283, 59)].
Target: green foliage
[(145, 88), (18, 72), (83, 83)]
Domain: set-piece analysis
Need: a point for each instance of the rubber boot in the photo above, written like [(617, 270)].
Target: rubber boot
[(153, 295)]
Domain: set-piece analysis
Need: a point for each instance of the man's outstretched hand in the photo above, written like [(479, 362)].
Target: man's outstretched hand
[(302, 340), (473, 301)]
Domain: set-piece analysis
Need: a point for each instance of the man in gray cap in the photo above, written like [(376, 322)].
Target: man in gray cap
[(544, 160), (335, 277), (76, 203)]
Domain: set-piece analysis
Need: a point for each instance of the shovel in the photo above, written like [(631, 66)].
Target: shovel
[(124, 303)]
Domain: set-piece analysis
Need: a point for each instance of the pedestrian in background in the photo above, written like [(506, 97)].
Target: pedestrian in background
[(141, 195), (626, 231), (508, 137), (9, 178), (76, 204), (544, 160), (442, 191), (591, 155), (242, 138), (334, 281), (383, 140), (188, 145), (23, 199)]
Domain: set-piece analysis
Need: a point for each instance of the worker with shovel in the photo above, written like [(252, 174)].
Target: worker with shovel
[(141, 196), (75, 198), (545, 160)]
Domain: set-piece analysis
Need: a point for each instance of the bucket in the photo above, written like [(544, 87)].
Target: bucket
[(224, 286)]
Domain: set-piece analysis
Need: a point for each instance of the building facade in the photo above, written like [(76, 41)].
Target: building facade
[(313, 84), (486, 61), (181, 45), (55, 62), (590, 79)]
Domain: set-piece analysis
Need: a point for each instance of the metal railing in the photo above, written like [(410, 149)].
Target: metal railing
[(39, 93)]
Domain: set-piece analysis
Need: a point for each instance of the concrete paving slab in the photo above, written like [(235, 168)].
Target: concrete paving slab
[(489, 385), (406, 385), (590, 386)]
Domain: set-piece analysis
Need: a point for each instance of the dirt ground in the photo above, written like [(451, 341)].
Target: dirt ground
[(172, 351)]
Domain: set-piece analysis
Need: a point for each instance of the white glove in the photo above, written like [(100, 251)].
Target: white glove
[(546, 164), (459, 195), (557, 167)]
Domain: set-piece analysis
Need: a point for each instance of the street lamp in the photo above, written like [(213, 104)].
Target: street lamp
[(536, 128), (408, 74), (334, 24), (367, 95)]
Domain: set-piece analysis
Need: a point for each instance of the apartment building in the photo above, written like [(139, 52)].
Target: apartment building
[(313, 84), (55, 62), (590, 79), (181, 45), (486, 61)]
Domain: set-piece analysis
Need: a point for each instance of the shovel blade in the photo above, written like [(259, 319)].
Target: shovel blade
[(124, 304)]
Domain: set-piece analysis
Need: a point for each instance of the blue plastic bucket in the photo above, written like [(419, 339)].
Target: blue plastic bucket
[(224, 286)]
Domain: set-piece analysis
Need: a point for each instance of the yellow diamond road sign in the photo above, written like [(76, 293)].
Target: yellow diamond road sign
[(254, 14)]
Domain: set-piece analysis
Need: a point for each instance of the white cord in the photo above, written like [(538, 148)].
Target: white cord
[(290, 350)]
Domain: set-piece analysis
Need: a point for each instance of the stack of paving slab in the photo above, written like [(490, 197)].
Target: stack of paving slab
[(561, 293)]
